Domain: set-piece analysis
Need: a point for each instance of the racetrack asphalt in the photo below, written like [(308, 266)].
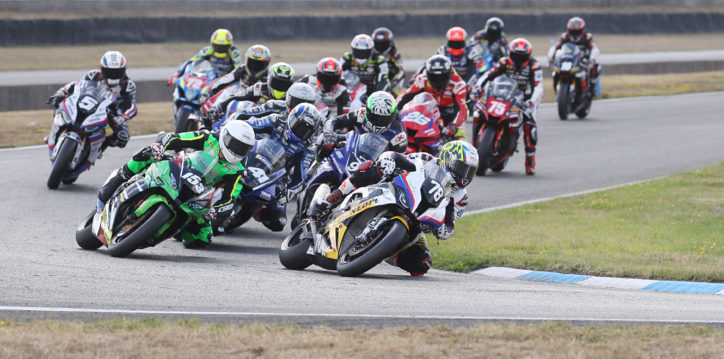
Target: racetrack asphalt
[(45, 274)]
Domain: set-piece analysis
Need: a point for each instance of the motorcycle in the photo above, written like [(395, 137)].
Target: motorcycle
[(232, 107), (78, 132), (152, 206), (571, 81), (234, 89), (264, 169), (355, 149), (496, 125), (356, 88), (189, 95), (422, 122), (371, 224)]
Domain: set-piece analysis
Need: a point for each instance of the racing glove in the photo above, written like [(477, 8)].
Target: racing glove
[(443, 232), (449, 130), (329, 143), (56, 98), (210, 215)]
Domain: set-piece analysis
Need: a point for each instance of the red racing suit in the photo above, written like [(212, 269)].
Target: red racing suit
[(451, 100)]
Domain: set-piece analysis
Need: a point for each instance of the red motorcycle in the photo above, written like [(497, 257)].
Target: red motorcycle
[(422, 122), (496, 124)]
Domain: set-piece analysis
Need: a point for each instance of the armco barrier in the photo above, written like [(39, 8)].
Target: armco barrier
[(31, 32)]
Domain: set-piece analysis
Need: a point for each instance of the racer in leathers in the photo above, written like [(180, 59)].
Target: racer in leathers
[(296, 132), (525, 70), (462, 57), (380, 116), (458, 158), (371, 68), (332, 93), (222, 54), (576, 33), (385, 46), (112, 73), (253, 70), (493, 37), (296, 94), (231, 144), (449, 90)]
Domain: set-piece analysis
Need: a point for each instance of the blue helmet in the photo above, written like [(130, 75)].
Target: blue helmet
[(302, 122)]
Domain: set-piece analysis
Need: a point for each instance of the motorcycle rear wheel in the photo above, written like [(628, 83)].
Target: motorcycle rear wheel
[(183, 123), (62, 162), (390, 242), (563, 101), (143, 231), (293, 252), (84, 236)]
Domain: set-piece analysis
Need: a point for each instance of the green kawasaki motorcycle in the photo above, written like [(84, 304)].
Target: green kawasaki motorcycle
[(152, 206)]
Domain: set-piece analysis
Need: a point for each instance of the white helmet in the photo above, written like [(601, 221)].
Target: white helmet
[(298, 93), (362, 47), (236, 140), (113, 67)]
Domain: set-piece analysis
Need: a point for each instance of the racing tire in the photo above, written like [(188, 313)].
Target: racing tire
[(563, 101), (583, 112), (142, 233), (84, 234), (293, 252), (485, 149), (62, 162), (388, 245), (183, 123)]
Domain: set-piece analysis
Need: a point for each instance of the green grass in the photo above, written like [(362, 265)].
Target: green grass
[(672, 228)]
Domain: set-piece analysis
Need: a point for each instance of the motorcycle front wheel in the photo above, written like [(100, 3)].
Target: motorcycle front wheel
[(141, 231), (62, 162), (563, 101), (387, 244), (293, 252), (84, 234), (485, 150), (183, 123)]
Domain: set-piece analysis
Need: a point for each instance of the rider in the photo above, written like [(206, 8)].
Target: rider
[(253, 70), (492, 34), (231, 144), (458, 158), (296, 94), (576, 33), (525, 70), (463, 57), (371, 68), (222, 54), (296, 132), (331, 89), (449, 90), (379, 116), (112, 73), (385, 46)]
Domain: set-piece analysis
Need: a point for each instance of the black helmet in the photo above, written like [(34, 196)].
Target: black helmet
[(493, 28), (575, 27), (382, 37), (439, 70)]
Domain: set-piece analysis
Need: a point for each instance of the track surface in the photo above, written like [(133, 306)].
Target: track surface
[(240, 276)]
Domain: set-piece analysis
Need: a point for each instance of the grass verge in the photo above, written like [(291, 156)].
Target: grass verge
[(151, 337), (22, 128), (664, 229), (172, 54)]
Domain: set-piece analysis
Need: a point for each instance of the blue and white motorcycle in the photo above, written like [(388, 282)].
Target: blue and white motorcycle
[(189, 95)]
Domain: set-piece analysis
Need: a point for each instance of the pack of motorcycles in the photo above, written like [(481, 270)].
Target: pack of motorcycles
[(371, 224)]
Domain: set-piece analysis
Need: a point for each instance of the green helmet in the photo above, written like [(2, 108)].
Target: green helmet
[(380, 112), (460, 159), (279, 78)]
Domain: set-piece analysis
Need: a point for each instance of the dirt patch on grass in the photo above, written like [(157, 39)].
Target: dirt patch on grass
[(172, 54), (154, 338)]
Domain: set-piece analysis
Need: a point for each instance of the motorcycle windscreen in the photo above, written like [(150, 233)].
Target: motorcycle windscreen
[(205, 163), (201, 68), (371, 146), (265, 159)]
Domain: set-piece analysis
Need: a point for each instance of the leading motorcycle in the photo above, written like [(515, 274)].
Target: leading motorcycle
[(571, 79)]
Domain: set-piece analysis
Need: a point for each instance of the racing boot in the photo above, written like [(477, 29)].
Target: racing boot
[(114, 181), (530, 163), (321, 208), (197, 235)]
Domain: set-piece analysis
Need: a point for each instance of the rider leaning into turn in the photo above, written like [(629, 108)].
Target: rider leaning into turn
[(296, 94), (370, 68), (231, 144), (254, 69), (576, 33), (458, 158), (525, 70), (296, 132), (222, 54), (112, 73), (449, 90)]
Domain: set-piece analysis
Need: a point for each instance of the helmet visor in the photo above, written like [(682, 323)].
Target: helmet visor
[(575, 32), (382, 45), (381, 121), (302, 129), (439, 80), (113, 74), (519, 59), (221, 49), (236, 147), (255, 65), (462, 172), (278, 84), (361, 53), (328, 81)]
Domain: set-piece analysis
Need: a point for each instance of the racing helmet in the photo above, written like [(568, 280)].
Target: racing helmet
[(362, 47), (456, 40), (302, 122), (300, 93), (439, 70), (382, 38), (257, 60), (379, 112), (520, 50), (494, 28), (221, 42), (460, 159), (279, 79), (329, 72), (113, 67), (236, 139), (575, 28)]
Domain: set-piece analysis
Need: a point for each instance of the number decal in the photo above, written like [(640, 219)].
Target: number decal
[(258, 173), (417, 117), (195, 181), (87, 103), (436, 191), (352, 166), (497, 108)]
